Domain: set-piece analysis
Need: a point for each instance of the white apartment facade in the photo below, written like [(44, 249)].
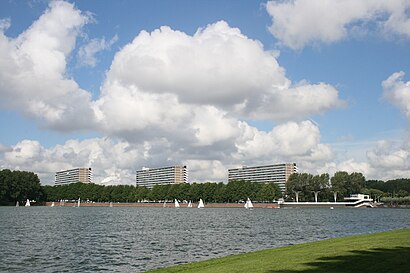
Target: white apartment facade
[(82, 175), (161, 176), (276, 173)]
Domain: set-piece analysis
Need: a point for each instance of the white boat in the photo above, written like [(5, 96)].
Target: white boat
[(201, 204), (78, 202), (248, 204), (111, 205), (17, 204), (52, 204), (165, 204), (176, 204), (27, 203), (190, 204)]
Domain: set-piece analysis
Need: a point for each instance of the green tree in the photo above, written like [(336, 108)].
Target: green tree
[(297, 185), (268, 192), (338, 184), (19, 186), (220, 193), (355, 183), (318, 183)]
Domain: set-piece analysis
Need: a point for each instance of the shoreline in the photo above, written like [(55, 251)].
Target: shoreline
[(287, 205), (168, 205)]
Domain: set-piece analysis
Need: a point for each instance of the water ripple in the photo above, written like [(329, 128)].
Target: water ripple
[(60, 239)]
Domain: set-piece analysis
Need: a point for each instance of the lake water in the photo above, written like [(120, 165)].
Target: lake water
[(132, 239)]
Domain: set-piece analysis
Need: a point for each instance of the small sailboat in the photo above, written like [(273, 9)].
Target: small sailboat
[(165, 204), (248, 204), (17, 204), (111, 205), (189, 204), (27, 203), (201, 204), (78, 202), (176, 204), (52, 204)]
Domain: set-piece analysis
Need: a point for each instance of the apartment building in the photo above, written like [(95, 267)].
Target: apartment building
[(276, 173), (83, 175), (161, 176)]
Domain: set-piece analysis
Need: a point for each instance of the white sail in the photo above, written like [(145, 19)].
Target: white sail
[(78, 203), (201, 204), (17, 204), (52, 204), (176, 203), (189, 204), (165, 204), (248, 204), (27, 203), (111, 205)]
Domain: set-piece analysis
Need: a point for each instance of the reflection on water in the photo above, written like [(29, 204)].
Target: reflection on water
[(131, 239)]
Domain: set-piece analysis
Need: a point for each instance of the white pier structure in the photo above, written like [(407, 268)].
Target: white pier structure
[(355, 200)]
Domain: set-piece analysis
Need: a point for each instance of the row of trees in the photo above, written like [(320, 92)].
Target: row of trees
[(234, 191), (393, 188), (308, 187), (19, 186)]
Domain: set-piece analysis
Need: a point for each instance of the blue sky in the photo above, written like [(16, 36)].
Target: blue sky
[(222, 84)]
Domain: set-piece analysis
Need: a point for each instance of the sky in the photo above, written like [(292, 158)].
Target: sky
[(123, 85)]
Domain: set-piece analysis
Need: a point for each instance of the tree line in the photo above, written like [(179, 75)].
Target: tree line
[(234, 191), (308, 187)]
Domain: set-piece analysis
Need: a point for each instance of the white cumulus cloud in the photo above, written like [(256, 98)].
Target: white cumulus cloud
[(87, 53), (33, 76), (217, 66), (398, 92), (297, 23)]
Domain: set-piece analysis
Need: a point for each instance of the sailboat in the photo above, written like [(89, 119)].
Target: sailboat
[(111, 205), (27, 203), (78, 203), (201, 204), (165, 204), (189, 204), (176, 204), (17, 204), (248, 204), (52, 204)]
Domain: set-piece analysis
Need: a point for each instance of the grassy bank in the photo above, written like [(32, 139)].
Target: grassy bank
[(380, 252)]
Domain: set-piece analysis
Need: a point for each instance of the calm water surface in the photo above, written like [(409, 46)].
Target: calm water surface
[(97, 239)]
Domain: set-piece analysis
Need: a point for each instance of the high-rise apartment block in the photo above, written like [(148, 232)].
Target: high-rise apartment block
[(277, 173), (83, 175), (161, 176)]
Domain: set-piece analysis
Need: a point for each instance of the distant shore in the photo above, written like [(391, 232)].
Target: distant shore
[(168, 205), (207, 205)]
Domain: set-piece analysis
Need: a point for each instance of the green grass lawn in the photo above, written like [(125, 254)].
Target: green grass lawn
[(380, 252)]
